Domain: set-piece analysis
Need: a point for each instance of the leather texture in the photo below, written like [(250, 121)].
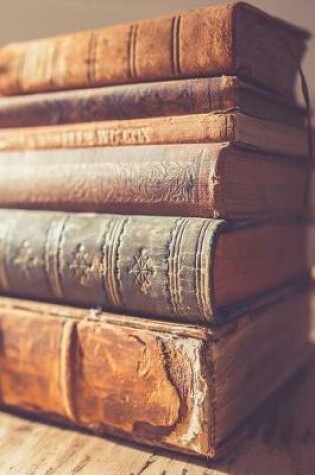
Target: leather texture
[(176, 268), (160, 98), (236, 128), (211, 180), (225, 39), (167, 385)]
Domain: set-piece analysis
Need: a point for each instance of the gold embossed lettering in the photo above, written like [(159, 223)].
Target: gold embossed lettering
[(102, 136)]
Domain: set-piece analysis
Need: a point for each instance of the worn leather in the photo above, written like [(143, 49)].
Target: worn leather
[(160, 98), (175, 386), (236, 128), (181, 269), (209, 180), (225, 39)]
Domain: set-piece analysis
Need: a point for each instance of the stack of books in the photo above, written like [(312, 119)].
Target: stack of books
[(152, 253)]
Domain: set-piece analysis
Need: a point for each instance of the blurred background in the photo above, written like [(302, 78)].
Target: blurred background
[(29, 19)]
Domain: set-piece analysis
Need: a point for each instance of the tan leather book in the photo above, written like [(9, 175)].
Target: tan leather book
[(235, 128), (225, 39), (176, 268), (206, 180), (180, 387), (160, 98)]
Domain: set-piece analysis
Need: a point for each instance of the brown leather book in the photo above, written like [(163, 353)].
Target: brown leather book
[(226, 39), (180, 387), (184, 269), (212, 180), (236, 128), (162, 98)]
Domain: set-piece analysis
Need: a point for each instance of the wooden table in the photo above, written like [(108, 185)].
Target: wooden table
[(278, 440)]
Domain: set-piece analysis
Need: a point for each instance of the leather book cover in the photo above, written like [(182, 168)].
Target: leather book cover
[(225, 39), (155, 99), (205, 180), (179, 387), (235, 128), (176, 268)]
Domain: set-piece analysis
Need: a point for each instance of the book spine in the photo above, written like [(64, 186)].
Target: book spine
[(159, 266), (138, 180), (162, 48), (132, 101), (209, 181), (199, 128), (98, 375)]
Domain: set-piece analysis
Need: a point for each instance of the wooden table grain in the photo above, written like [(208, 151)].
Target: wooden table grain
[(278, 440)]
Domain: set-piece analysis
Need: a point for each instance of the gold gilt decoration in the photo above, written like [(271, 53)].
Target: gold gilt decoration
[(26, 258), (142, 270), (84, 265)]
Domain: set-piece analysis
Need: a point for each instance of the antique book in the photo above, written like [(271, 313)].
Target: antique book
[(236, 128), (207, 180), (161, 98), (180, 387), (276, 439), (184, 269), (226, 39)]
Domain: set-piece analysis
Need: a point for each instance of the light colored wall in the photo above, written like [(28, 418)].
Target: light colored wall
[(27, 19)]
